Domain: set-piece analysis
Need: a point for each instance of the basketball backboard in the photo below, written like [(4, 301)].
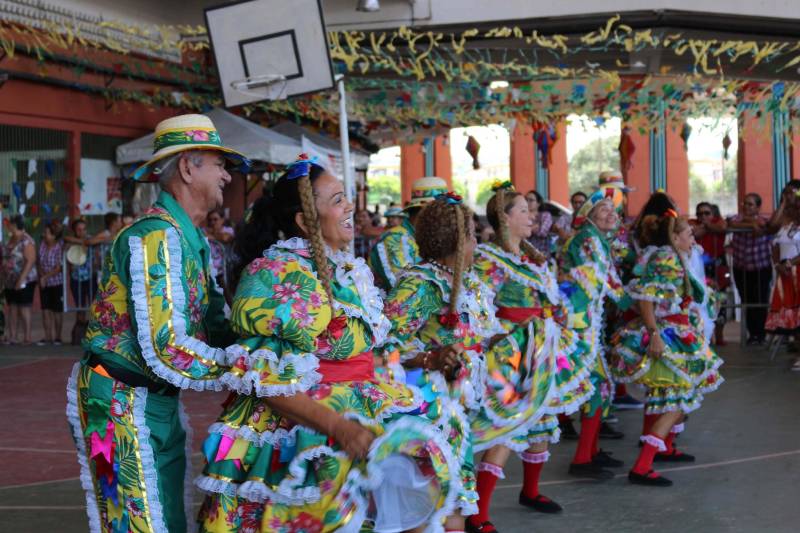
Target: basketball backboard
[(269, 49)]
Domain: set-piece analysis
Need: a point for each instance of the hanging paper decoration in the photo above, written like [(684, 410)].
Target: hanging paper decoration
[(17, 191), (48, 187), (49, 166), (686, 132), (31, 167), (726, 143), (473, 147), (21, 209), (626, 149), (30, 189), (47, 209), (544, 135)]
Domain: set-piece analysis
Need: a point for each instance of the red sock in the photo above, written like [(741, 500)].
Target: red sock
[(488, 474), (532, 464), (596, 444), (647, 425), (620, 390), (668, 442), (644, 463), (590, 427)]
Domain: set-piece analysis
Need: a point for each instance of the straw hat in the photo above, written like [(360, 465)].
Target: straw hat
[(77, 254), (426, 190), (186, 132), (613, 178)]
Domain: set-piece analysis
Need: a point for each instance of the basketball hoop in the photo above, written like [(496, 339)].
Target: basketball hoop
[(265, 86)]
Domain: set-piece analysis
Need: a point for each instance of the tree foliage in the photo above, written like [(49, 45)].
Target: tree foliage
[(588, 162)]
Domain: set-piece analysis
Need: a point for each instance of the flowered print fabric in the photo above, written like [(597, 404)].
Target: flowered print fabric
[(535, 372), (418, 308), (395, 250), (266, 473), (158, 311), (589, 280), (687, 369)]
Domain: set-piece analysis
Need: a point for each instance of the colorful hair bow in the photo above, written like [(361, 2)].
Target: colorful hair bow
[(671, 213), (497, 185), (301, 167), (450, 197)]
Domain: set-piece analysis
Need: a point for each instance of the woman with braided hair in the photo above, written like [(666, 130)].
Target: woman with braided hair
[(535, 370), (440, 316), (310, 438), (665, 349)]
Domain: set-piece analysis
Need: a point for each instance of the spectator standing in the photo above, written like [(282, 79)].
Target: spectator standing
[(82, 284), (366, 233), (709, 231), (577, 200), (220, 237), (752, 268), (394, 217), (19, 269), (542, 222), (51, 283)]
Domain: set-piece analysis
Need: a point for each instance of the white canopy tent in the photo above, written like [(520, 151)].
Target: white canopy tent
[(359, 158), (256, 142)]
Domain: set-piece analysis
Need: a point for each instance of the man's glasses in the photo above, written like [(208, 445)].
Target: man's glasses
[(704, 213)]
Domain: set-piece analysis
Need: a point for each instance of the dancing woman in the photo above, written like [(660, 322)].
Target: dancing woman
[(535, 370), (312, 440), (665, 348), (440, 317), (586, 265)]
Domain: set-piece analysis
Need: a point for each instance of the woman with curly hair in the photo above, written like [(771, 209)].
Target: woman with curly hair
[(589, 280), (440, 316), (665, 349), (535, 370), (312, 440)]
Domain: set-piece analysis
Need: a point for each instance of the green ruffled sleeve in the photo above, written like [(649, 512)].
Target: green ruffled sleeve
[(409, 307), (280, 309), (659, 278)]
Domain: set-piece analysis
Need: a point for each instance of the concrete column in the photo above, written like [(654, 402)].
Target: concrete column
[(677, 169), (558, 171), (412, 167), (637, 172), (442, 161), (523, 154), (795, 156), (754, 161)]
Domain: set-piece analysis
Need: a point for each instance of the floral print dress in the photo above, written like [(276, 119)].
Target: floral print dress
[(537, 370), (266, 473), (687, 369), (418, 309)]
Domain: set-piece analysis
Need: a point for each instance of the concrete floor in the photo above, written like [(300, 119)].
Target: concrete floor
[(745, 437)]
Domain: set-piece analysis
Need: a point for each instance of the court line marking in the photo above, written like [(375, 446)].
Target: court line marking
[(42, 507), (39, 483), (34, 450), (24, 363), (674, 469)]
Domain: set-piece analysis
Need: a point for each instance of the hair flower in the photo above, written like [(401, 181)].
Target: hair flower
[(301, 167), (497, 185), (450, 197)]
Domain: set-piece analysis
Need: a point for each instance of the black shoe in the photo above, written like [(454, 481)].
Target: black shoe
[(540, 503), (627, 402), (604, 460), (674, 457), (486, 527), (568, 430), (651, 479), (590, 470), (607, 432)]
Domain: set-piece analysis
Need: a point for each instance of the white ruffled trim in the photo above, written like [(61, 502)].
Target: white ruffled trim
[(547, 283), (406, 355), (279, 437), (188, 501), (87, 480), (305, 364), (535, 458), (384, 258), (652, 440), (495, 470), (144, 328), (677, 428), (148, 462)]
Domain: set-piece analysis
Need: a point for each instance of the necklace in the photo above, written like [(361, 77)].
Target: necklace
[(441, 267)]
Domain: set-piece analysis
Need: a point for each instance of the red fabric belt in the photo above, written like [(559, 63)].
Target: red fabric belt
[(682, 320), (519, 314), (358, 368)]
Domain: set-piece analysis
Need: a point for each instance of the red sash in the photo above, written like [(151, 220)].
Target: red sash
[(358, 368), (519, 314), (682, 320)]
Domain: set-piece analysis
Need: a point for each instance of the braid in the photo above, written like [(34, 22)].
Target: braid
[(532, 252), (458, 268), (502, 220), (311, 221)]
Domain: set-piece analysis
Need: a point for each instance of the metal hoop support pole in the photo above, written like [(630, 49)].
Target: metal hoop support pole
[(344, 137)]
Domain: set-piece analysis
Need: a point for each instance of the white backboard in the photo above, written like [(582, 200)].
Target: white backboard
[(261, 39)]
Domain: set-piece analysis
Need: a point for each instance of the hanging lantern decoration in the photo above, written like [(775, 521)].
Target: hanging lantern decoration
[(626, 149), (686, 132), (726, 143), (473, 147), (544, 135)]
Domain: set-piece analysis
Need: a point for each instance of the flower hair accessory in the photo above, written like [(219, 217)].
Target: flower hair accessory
[(671, 213), (450, 197), (497, 185), (301, 167)]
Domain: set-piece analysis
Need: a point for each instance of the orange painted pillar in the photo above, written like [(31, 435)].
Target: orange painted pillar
[(442, 161), (637, 171), (73, 173), (754, 161), (412, 167), (522, 159), (677, 169), (795, 156), (558, 170)]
